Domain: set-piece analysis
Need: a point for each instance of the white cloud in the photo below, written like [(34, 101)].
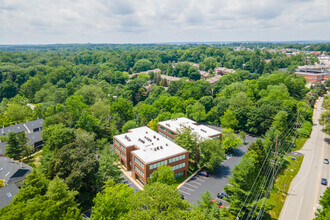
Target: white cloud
[(135, 21)]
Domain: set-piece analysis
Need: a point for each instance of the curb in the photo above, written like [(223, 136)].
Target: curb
[(131, 178), (191, 176)]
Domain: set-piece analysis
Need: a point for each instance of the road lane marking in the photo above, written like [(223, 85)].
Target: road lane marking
[(318, 179), (300, 207), (184, 192), (187, 188), (191, 185)]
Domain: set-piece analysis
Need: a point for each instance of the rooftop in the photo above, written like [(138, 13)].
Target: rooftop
[(26, 127), (177, 124), (151, 145), (214, 79), (11, 170)]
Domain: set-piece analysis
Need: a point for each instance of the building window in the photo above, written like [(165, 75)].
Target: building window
[(118, 151), (170, 132), (181, 157), (161, 127), (139, 162), (162, 133), (120, 145), (216, 137), (176, 167), (139, 171), (179, 174), (117, 142), (170, 138), (155, 165)]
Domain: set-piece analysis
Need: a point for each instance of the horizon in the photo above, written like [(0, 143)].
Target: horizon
[(182, 43)]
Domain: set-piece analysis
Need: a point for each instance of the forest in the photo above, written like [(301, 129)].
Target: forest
[(86, 95)]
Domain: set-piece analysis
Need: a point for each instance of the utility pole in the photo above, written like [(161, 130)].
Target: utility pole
[(295, 136), (275, 155)]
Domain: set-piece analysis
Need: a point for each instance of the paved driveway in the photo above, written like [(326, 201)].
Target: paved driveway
[(130, 183), (214, 183)]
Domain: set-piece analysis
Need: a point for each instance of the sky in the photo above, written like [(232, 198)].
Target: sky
[(157, 21)]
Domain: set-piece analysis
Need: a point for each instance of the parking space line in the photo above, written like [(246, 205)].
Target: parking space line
[(184, 192), (194, 182), (192, 185), (187, 188), (201, 180)]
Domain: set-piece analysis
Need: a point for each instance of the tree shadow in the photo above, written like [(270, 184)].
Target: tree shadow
[(327, 140), (221, 172)]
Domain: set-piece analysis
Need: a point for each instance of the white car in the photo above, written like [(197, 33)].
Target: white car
[(325, 161)]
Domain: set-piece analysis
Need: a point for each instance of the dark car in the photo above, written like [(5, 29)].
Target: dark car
[(325, 161), (182, 196), (218, 202), (203, 173), (324, 181), (222, 195)]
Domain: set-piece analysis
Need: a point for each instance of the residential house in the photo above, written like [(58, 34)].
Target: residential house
[(12, 173)]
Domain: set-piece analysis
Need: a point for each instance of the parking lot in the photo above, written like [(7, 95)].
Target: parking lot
[(217, 180), (130, 183)]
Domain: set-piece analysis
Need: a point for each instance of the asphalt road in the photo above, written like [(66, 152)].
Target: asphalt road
[(305, 190), (214, 183)]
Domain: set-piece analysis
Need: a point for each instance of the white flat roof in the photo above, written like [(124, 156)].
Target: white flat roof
[(178, 123), (147, 141)]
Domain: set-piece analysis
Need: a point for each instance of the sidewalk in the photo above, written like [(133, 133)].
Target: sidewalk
[(128, 174)]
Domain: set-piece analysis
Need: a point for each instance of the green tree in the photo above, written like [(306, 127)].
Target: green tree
[(163, 174), (56, 136), (228, 120), (160, 201), (324, 212), (22, 141), (13, 147), (209, 208), (113, 201), (75, 105), (123, 108), (229, 139), (212, 153), (77, 165), (129, 125), (107, 165), (57, 202), (188, 140), (242, 134), (196, 112), (142, 65)]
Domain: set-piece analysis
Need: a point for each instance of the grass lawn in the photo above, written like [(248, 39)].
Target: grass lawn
[(180, 179), (300, 143), (282, 184), (33, 160)]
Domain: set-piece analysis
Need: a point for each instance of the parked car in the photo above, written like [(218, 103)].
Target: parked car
[(325, 161), (203, 173), (324, 181), (218, 202), (182, 196), (222, 195)]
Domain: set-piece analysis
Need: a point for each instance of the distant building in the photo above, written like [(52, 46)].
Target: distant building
[(134, 75), (171, 128), (204, 74), (32, 130), (13, 173), (142, 150), (313, 73), (223, 70), (214, 79), (169, 78)]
